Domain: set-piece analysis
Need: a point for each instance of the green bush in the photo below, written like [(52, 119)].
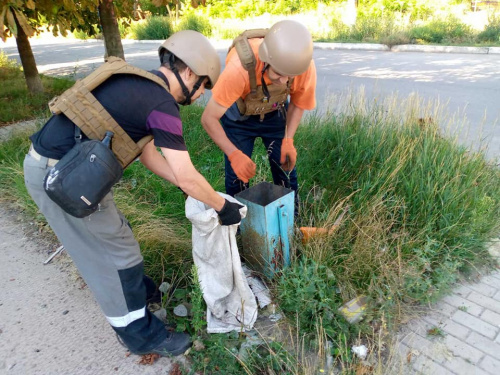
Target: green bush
[(5, 62), (491, 32), (307, 291), (370, 29), (253, 8), (415, 9), (338, 29), (196, 23), (442, 31), (153, 28)]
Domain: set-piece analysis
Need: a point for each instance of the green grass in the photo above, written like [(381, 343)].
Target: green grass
[(16, 104), (419, 210)]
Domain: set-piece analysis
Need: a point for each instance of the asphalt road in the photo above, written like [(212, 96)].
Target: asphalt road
[(466, 87)]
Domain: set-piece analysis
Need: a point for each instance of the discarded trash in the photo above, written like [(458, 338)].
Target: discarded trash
[(360, 351), (181, 310), (250, 342), (354, 310), (258, 287), (275, 317), (198, 345), (58, 251), (310, 232), (329, 357), (164, 287)]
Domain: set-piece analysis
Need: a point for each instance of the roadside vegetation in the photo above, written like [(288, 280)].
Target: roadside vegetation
[(16, 104), (448, 22), (417, 212)]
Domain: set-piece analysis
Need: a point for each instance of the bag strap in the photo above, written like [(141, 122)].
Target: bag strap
[(246, 55)]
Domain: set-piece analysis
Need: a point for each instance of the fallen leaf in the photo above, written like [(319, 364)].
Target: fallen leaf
[(408, 356), (176, 370), (148, 359)]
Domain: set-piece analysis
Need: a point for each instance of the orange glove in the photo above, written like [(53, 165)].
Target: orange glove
[(288, 154), (242, 165)]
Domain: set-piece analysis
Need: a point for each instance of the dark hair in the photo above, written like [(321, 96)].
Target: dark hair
[(178, 63)]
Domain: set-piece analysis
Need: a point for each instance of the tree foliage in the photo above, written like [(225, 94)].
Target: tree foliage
[(23, 19)]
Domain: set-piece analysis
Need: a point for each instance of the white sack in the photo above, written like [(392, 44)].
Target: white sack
[(230, 301)]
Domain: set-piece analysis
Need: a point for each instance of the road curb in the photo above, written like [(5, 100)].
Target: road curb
[(352, 46), (440, 49), (223, 44)]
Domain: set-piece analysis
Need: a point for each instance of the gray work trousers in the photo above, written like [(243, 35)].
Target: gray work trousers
[(108, 257)]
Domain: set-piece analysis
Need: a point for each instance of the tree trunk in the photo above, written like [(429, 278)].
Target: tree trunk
[(31, 75), (110, 31)]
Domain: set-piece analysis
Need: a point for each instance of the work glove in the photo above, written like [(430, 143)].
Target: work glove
[(242, 165), (230, 213), (288, 154)]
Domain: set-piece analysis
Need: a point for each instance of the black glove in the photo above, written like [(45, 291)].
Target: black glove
[(230, 213)]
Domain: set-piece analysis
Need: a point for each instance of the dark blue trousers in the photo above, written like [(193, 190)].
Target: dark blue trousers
[(243, 134)]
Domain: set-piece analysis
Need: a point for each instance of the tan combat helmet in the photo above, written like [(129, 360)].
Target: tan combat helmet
[(287, 47), (195, 50)]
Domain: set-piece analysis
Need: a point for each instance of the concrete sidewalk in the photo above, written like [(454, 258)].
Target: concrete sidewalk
[(461, 333), (49, 321)]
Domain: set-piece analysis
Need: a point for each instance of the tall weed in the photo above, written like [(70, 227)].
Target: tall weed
[(196, 23), (421, 207), (449, 30), (152, 28), (491, 32)]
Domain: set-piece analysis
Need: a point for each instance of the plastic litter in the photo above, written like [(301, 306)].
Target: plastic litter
[(354, 310), (360, 351), (58, 251), (181, 310), (164, 287)]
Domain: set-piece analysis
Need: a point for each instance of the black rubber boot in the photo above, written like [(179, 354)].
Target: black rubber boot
[(175, 344), (153, 294)]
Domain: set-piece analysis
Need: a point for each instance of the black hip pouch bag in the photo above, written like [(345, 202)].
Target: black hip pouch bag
[(81, 179)]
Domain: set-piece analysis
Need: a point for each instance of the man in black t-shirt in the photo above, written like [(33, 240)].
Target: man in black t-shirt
[(102, 245)]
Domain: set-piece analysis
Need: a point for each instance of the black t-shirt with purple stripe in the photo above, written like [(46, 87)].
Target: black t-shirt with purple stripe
[(140, 106)]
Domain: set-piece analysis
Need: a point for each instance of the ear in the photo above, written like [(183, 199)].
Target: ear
[(188, 73)]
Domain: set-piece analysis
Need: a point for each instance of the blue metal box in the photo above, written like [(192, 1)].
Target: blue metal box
[(268, 227)]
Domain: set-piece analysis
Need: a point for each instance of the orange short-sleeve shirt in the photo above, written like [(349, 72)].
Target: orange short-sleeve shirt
[(234, 83)]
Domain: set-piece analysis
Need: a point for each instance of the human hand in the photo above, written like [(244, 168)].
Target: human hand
[(288, 154), (242, 165), (230, 213)]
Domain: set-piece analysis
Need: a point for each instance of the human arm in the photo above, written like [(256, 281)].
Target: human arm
[(293, 116), (210, 122), (288, 152), (156, 163), (177, 168), (242, 165)]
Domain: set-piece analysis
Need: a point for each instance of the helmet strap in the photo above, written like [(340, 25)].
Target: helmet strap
[(185, 90), (265, 90)]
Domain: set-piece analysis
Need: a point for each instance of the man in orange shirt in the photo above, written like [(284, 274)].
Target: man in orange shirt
[(251, 100)]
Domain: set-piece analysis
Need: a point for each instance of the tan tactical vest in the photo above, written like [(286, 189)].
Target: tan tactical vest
[(256, 102), (81, 107)]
